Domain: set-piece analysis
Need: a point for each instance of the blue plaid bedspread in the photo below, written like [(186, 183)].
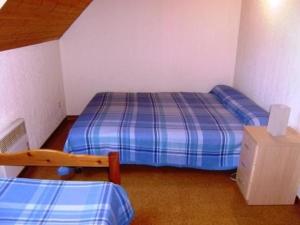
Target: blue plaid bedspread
[(26, 201), (160, 129)]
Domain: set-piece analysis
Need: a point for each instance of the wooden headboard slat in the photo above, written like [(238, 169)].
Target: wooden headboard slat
[(47, 157)]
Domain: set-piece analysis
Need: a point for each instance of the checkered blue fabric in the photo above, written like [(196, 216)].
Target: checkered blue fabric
[(26, 201), (160, 129), (239, 104)]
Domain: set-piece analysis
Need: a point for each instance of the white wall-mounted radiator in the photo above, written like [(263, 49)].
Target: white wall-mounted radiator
[(13, 138)]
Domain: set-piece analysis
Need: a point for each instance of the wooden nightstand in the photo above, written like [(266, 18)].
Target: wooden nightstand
[(269, 169)]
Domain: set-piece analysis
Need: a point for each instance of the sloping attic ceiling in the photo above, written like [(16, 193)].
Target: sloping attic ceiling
[(27, 22)]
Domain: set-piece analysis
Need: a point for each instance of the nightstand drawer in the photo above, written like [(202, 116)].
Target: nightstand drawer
[(243, 179), (248, 151)]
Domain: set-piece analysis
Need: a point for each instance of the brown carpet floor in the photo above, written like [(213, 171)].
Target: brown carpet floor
[(171, 196)]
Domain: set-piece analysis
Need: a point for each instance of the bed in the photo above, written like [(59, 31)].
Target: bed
[(30, 201), (26, 201), (182, 129)]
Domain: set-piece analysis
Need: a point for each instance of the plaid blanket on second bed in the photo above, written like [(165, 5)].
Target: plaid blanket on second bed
[(160, 129), (26, 201)]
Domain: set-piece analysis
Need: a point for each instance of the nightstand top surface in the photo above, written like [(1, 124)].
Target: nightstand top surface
[(261, 136)]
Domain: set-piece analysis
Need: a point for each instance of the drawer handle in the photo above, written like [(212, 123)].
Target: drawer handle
[(243, 164), (246, 146)]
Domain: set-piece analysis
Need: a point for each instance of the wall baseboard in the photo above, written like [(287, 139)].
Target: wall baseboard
[(71, 117), (55, 131), (67, 118)]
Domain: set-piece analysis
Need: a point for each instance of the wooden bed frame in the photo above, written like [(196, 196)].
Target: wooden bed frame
[(47, 157)]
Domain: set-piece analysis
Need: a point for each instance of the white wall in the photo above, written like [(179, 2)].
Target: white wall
[(149, 45), (31, 88), (268, 59)]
